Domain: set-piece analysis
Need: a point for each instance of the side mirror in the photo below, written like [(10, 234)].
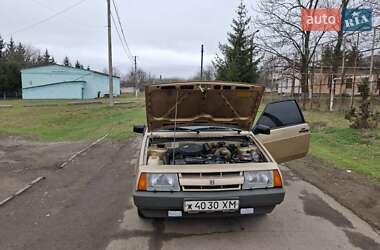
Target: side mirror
[(140, 129), (261, 129)]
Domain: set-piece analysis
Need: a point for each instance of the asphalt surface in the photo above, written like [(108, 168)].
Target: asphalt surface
[(88, 205)]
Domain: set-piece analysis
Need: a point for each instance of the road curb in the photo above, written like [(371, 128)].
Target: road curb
[(22, 190), (64, 164)]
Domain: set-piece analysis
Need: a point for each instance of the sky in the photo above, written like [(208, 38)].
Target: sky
[(165, 35)]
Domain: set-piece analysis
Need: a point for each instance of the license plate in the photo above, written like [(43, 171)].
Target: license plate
[(211, 206)]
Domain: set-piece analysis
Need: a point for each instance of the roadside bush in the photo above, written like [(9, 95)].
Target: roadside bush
[(363, 118)]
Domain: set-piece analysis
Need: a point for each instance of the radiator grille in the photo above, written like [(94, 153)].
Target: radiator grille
[(211, 181)]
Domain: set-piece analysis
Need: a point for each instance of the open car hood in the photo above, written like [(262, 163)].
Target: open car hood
[(202, 103)]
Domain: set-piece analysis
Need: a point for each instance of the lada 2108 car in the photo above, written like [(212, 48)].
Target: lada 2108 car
[(202, 155)]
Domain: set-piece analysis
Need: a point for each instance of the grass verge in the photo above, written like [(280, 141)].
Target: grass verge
[(334, 142), (70, 122)]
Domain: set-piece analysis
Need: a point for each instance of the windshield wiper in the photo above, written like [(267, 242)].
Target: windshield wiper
[(216, 128), (205, 128), (181, 129)]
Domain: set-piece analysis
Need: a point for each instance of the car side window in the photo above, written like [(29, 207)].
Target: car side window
[(281, 114)]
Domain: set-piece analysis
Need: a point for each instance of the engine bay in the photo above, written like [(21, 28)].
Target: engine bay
[(213, 151)]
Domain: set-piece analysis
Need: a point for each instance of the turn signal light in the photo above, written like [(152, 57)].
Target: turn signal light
[(143, 182), (277, 181)]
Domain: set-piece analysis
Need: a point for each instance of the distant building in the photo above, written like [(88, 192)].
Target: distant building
[(321, 81), (62, 82), (352, 80), (285, 84), (128, 90)]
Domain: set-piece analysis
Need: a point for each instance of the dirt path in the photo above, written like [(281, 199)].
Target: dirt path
[(22, 161), (352, 190), (74, 208)]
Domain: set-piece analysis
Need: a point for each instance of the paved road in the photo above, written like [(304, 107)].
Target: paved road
[(88, 206)]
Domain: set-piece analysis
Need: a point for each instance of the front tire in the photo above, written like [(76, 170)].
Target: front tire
[(141, 214)]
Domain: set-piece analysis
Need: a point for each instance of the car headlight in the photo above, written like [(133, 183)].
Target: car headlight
[(162, 182), (258, 179)]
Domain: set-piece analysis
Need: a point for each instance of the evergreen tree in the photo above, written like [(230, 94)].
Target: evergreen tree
[(238, 61), (46, 57), (20, 55), (3, 73), (40, 59), (2, 46), (66, 61), (78, 65), (10, 50)]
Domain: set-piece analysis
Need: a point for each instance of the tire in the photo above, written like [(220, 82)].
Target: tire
[(141, 214)]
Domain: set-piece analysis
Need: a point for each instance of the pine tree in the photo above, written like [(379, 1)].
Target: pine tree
[(78, 65), (2, 46), (20, 54), (40, 59), (238, 61), (66, 61), (10, 49), (46, 57)]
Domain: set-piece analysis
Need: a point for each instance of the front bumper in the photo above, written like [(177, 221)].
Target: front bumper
[(157, 204)]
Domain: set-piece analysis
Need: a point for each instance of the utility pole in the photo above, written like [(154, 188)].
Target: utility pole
[(272, 75), (202, 50), (355, 66), (332, 85), (371, 76), (343, 80), (135, 74), (110, 73), (311, 88), (293, 75)]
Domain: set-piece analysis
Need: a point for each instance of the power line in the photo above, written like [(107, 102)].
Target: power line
[(121, 40), (122, 37), (49, 18), (47, 7), (121, 26)]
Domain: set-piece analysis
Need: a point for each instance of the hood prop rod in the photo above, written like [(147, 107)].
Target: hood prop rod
[(175, 124)]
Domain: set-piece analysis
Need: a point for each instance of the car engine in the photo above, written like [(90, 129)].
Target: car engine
[(204, 153)]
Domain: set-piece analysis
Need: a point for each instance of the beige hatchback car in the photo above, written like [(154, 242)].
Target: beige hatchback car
[(202, 156)]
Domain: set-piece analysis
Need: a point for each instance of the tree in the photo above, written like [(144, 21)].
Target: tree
[(2, 46), (364, 118), (10, 49), (238, 61), (66, 61), (47, 59), (20, 55), (208, 74), (283, 36), (78, 65)]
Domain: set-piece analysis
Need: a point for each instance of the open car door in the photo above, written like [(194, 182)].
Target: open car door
[(289, 134)]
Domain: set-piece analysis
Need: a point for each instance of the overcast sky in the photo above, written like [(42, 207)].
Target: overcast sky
[(165, 34)]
